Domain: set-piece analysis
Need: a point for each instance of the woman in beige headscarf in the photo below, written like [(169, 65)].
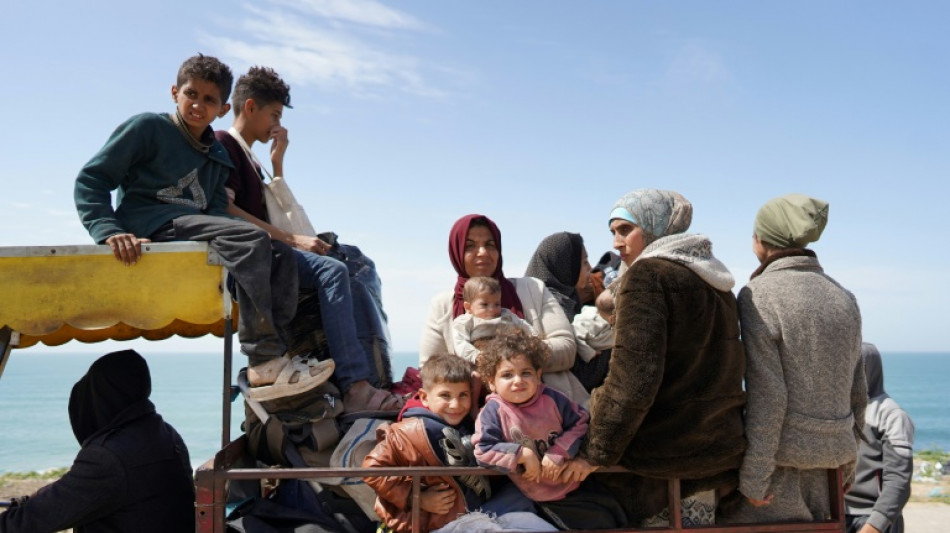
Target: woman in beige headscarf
[(804, 377), (671, 405)]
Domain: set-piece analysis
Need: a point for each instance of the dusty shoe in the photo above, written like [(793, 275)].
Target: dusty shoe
[(297, 376), (459, 451)]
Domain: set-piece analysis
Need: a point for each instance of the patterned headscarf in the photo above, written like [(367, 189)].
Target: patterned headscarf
[(658, 213), (557, 262), (791, 221), (509, 297)]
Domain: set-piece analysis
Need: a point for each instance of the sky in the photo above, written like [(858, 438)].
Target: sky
[(407, 115)]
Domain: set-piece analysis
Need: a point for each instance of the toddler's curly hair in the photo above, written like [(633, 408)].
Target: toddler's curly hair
[(508, 344)]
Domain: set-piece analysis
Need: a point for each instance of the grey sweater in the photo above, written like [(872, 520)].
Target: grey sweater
[(805, 381), (886, 461)]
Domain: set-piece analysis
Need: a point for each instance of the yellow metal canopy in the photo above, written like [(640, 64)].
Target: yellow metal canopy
[(55, 294)]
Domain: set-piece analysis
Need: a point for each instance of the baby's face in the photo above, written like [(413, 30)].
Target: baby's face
[(485, 306)]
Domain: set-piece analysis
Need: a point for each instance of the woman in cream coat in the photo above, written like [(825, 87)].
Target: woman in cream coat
[(475, 250)]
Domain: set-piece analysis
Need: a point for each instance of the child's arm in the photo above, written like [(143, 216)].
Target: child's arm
[(518, 322), (102, 175), (396, 490), (491, 448), (575, 421), (300, 242), (278, 147), (462, 337)]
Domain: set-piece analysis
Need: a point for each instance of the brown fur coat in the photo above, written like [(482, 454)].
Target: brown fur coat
[(671, 405)]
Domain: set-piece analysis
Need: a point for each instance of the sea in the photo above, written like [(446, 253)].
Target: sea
[(35, 434)]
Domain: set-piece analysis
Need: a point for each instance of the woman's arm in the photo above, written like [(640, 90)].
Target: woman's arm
[(618, 407), (545, 314), (93, 488), (437, 332), (767, 396)]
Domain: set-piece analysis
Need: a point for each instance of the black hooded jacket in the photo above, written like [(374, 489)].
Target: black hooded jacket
[(132, 473)]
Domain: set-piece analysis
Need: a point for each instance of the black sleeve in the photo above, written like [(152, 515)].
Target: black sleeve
[(91, 489)]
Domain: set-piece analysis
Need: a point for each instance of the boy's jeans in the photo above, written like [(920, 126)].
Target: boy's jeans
[(330, 279), (372, 325), (265, 272)]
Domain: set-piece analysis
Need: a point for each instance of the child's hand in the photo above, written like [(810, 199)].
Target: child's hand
[(532, 467), (550, 470), (279, 147), (437, 499), (310, 244), (126, 247)]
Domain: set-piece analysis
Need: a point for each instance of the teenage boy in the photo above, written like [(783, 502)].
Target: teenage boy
[(260, 97), (170, 172)]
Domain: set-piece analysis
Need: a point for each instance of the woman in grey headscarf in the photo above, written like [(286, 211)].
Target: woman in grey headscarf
[(671, 405), (805, 380)]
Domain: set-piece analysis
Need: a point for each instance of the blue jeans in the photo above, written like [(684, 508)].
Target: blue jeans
[(372, 324), (330, 279)]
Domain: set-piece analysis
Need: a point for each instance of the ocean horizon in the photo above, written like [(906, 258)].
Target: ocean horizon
[(35, 433)]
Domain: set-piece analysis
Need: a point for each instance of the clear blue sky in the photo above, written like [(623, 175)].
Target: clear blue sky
[(540, 115)]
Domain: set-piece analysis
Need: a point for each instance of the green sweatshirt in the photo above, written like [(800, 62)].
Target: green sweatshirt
[(158, 174)]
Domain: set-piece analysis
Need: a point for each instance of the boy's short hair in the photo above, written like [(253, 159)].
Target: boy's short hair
[(207, 68), (508, 344), (445, 368), (479, 285), (262, 85)]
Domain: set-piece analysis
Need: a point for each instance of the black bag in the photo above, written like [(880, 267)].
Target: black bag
[(296, 506), (298, 431), (306, 423)]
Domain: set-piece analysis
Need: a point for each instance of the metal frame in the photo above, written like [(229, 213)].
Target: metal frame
[(211, 481)]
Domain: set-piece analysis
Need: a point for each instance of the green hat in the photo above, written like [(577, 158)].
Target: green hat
[(791, 221)]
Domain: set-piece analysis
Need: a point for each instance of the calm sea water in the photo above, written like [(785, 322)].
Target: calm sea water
[(34, 391)]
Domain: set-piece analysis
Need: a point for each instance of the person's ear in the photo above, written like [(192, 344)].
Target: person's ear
[(175, 93), (424, 398), (467, 306), (539, 373), (250, 106), (224, 110)]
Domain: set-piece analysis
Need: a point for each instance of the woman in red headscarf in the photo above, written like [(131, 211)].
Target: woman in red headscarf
[(475, 250)]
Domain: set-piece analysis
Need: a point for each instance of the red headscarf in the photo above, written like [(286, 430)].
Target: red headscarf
[(509, 297)]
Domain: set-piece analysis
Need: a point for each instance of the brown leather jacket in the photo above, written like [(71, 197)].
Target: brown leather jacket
[(405, 444)]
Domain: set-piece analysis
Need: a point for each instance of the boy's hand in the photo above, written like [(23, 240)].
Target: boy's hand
[(278, 147), (437, 499), (550, 470), (532, 467), (310, 244), (126, 247)]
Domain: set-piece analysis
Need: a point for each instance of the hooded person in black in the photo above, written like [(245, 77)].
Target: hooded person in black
[(885, 459), (132, 473)]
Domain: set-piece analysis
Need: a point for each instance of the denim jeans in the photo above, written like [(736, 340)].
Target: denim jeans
[(372, 324), (330, 279), (263, 269)]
